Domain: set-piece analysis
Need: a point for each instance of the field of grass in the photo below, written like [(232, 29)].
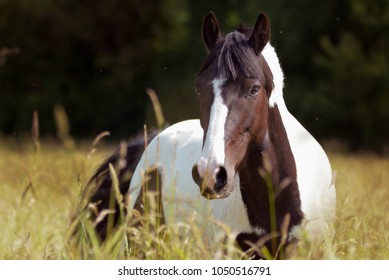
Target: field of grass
[(40, 190)]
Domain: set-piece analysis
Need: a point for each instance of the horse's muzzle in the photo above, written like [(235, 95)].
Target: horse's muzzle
[(212, 186)]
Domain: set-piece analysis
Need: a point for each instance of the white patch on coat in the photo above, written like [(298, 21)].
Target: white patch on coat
[(278, 76)]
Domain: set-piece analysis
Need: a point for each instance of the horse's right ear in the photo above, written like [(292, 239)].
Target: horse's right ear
[(261, 34), (211, 31)]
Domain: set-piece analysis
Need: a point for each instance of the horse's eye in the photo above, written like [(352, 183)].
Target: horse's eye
[(254, 90)]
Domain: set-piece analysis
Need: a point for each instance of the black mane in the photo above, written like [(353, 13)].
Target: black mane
[(235, 57)]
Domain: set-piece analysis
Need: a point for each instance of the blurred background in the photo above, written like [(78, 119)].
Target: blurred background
[(94, 59)]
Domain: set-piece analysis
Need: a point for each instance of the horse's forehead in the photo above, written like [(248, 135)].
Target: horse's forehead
[(212, 77), (233, 61), (233, 75)]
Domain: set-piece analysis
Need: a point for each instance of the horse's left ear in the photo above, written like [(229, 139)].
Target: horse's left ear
[(261, 34), (211, 31)]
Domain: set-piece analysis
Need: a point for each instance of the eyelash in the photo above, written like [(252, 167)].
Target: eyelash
[(254, 91)]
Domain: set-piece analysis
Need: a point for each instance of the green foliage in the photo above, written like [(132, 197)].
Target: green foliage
[(96, 59), (355, 65)]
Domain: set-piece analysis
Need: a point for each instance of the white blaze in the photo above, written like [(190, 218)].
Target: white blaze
[(213, 154)]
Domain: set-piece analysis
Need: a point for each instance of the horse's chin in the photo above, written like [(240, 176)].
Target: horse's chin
[(211, 194)]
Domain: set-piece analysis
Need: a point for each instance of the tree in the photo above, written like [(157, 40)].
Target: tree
[(355, 84), (95, 60)]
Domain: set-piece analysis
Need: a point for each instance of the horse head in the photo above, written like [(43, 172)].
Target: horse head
[(234, 86)]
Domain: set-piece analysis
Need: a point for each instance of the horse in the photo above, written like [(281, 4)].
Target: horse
[(246, 162)]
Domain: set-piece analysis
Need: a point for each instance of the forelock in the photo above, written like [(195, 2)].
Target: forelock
[(236, 58)]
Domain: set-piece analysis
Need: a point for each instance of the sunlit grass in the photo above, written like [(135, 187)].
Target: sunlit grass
[(362, 224), (40, 190)]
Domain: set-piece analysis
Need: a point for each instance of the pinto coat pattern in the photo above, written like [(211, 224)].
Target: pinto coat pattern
[(215, 168)]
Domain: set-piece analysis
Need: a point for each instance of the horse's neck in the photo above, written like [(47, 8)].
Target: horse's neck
[(277, 161)]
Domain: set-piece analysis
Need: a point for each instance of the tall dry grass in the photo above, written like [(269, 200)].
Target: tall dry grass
[(41, 207), (41, 189)]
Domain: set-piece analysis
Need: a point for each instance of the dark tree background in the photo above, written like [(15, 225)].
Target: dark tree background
[(96, 59)]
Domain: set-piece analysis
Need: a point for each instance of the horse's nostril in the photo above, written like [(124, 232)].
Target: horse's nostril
[(221, 178), (196, 175)]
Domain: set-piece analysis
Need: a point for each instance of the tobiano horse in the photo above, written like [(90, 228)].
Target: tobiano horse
[(246, 162)]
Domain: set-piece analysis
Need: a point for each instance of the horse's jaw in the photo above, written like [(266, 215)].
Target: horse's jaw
[(209, 194)]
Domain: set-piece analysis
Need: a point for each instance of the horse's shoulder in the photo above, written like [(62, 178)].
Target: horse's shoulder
[(183, 126), (178, 137), (175, 146)]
